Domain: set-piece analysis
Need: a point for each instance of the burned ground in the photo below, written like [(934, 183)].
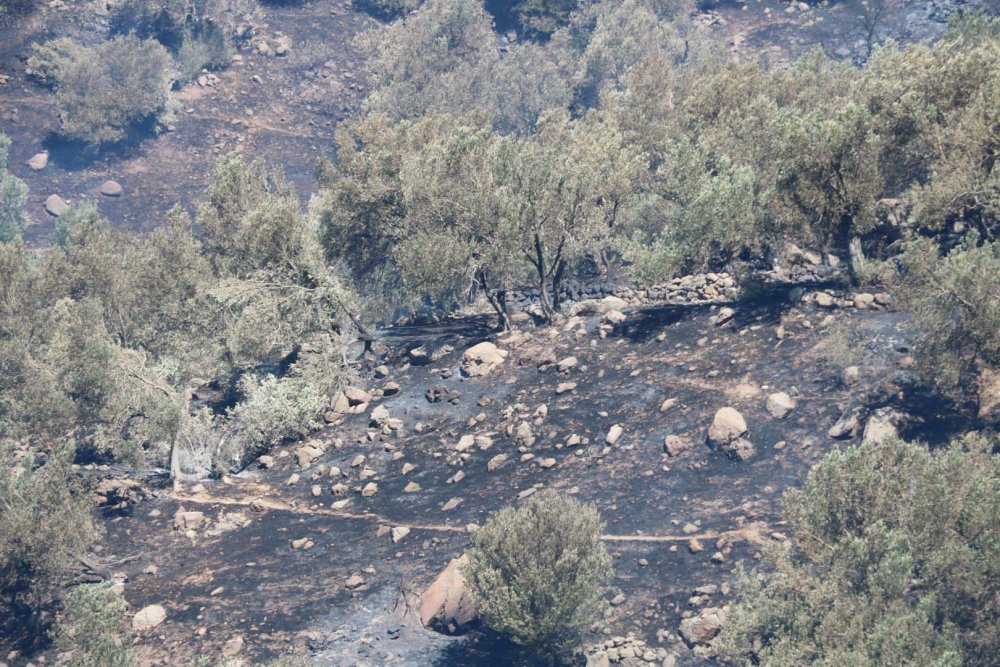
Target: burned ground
[(272, 561)]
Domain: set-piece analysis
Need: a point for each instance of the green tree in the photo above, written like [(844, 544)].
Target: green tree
[(537, 573), (103, 92), (13, 196), (953, 302), (894, 560), (45, 520), (90, 628)]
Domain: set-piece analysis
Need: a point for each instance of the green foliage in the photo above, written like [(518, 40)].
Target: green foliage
[(953, 302), (540, 18), (537, 573), (13, 196), (104, 91), (441, 204), (103, 338), (443, 58), (174, 21), (386, 9), (44, 520), (11, 9), (91, 631), (208, 49), (894, 560)]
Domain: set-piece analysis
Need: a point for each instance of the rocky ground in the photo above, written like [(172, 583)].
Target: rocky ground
[(683, 424)]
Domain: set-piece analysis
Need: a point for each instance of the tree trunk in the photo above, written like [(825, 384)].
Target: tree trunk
[(857, 256), (498, 300)]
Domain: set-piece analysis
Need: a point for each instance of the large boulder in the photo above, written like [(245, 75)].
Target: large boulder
[(779, 405), (56, 206), (883, 424), (726, 435), (148, 618), (446, 605), (703, 628), (727, 426), (482, 359)]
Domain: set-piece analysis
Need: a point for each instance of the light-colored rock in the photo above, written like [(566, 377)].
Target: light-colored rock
[(188, 520), (779, 405), (611, 303), (614, 317), (39, 161), (565, 387), (863, 300), (675, 445), (369, 490), (111, 189), (446, 605), (399, 532), (824, 300), (148, 618), (566, 364), (703, 628), (233, 646), (56, 206), (849, 424), (357, 396), (727, 426), (380, 416), (465, 443), (305, 455), (883, 424), (614, 434), (482, 359)]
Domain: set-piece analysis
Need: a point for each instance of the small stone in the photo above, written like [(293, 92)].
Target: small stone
[(412, 487), (354, 582), (399, 532), (565, 387), (56, 206), (111, 189), (39, 161), (148, 618), (614, 434), (779, 405), (371, 488)]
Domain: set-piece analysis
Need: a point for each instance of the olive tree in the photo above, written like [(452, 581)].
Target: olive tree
[(445, 58), (893, 559)]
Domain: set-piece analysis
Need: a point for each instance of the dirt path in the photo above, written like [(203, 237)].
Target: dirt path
[(258, 504)]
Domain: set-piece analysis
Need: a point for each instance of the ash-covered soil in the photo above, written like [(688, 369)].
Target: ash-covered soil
[(282, 109), (295, 555)]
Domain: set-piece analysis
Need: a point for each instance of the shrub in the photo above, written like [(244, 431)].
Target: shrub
[(386, 9), (91, 631), (953, 301), (13, 196), (894, 559), (44, 520), (103, 92), (171, 21), (208, 49), (537, 573), (540, 18)]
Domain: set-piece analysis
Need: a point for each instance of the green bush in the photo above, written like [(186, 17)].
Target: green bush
[(171, 21), (386, 9), (894, 559), (103, 92), (537, 574), (90, 629), (953, 302), (208, 49), (44, 520), (13, 196)]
